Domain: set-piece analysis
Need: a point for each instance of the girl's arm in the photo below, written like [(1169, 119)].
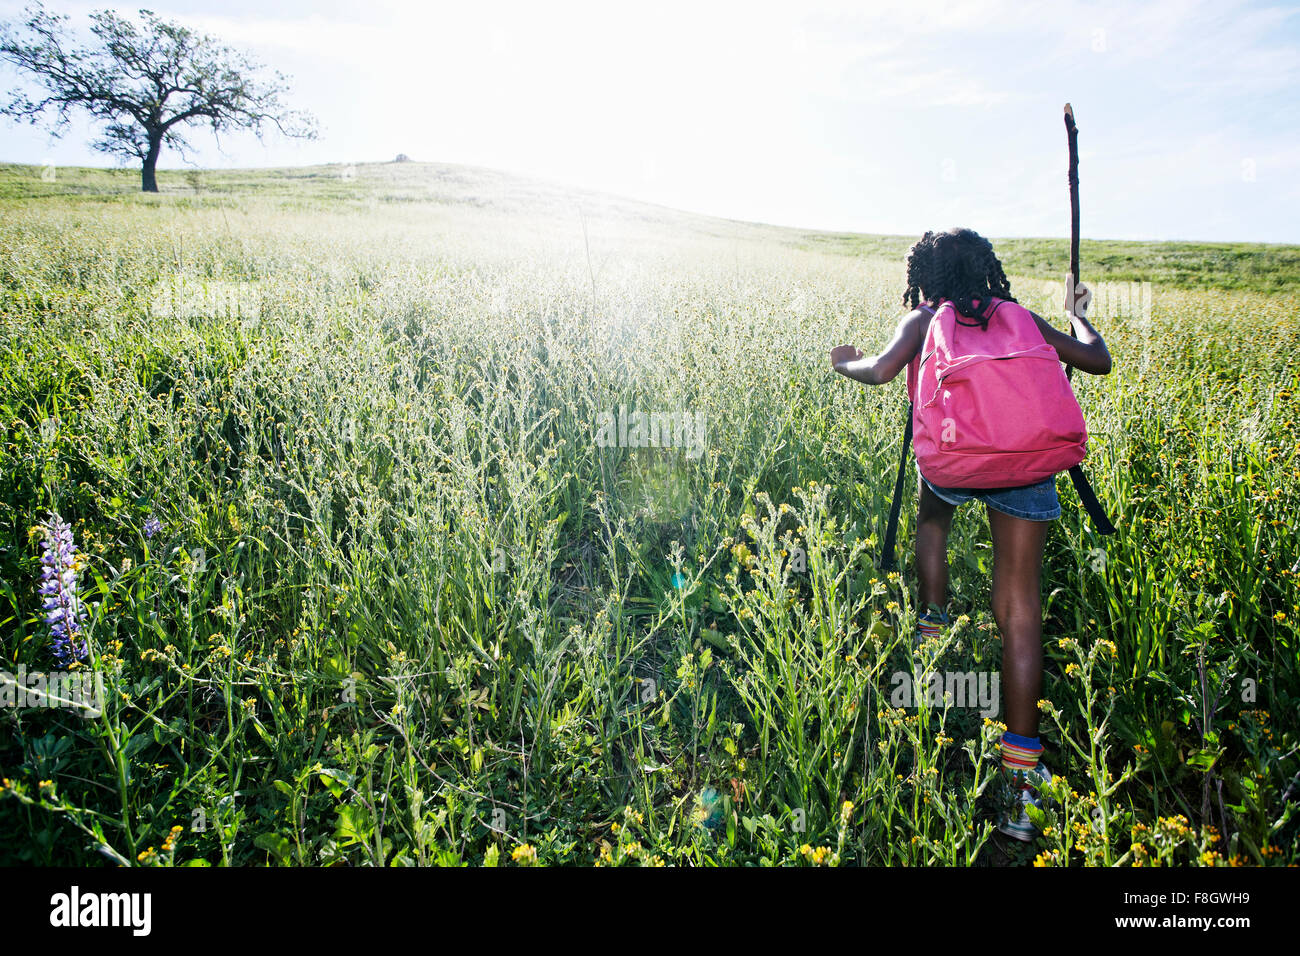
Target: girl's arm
[(1087, 353), (851, 363)]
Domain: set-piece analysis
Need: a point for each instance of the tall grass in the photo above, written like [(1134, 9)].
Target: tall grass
[(404, 609)]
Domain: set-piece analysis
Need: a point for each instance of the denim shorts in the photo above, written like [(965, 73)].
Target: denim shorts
[(1037, 502)]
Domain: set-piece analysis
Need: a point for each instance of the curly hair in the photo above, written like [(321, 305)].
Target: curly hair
[(958, 265)]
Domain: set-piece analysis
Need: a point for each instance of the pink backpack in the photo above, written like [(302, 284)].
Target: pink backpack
[(992, 408)]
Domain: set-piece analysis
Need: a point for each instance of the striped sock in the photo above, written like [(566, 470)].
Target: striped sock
[(930, 624), (1019, 757)]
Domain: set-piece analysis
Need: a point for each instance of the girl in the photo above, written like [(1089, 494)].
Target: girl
[(959, 266)]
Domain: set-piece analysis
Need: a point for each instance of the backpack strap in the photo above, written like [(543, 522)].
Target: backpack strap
[(1095, 511), (886, 562), (986, 313), (891, 527)]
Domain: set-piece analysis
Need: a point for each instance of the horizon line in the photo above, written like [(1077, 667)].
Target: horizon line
[(626, 198)]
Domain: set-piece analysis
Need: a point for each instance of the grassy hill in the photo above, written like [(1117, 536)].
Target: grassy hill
[(1261, 267)]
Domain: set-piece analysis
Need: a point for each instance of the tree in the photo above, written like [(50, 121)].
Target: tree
[(146, 82)]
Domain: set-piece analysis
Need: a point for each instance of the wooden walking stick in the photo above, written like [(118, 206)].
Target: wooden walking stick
[(1081, 483), (1072, 139)]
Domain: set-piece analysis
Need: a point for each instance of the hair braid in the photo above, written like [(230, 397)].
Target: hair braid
[(958, 265), (919, 259)]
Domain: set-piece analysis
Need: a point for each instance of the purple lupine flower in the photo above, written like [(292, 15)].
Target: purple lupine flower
[(63, 610), (152, 526)]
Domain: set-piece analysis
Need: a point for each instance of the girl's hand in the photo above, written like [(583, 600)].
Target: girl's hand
[(841, 355), (1082, 299), (1085, 349), (882, 368)]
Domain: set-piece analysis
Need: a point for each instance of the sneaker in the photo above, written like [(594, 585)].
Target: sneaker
[(1015, 821)]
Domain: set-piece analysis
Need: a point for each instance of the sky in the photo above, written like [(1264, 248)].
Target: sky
[(866, 117)]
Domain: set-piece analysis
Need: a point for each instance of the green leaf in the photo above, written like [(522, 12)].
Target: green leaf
[(716, 638), (335, 781), (336, 667), (352, 826), (275, 844)]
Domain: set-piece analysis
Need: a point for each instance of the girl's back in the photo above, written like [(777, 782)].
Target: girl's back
[(992, 407)]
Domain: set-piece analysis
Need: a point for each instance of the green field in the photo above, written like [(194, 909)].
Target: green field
[(405, 608)]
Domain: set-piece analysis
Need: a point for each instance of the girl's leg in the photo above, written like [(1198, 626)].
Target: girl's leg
[(933, 521), (1018, 609)]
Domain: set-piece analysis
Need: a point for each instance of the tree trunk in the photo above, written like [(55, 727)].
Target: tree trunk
[(148, 171)]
